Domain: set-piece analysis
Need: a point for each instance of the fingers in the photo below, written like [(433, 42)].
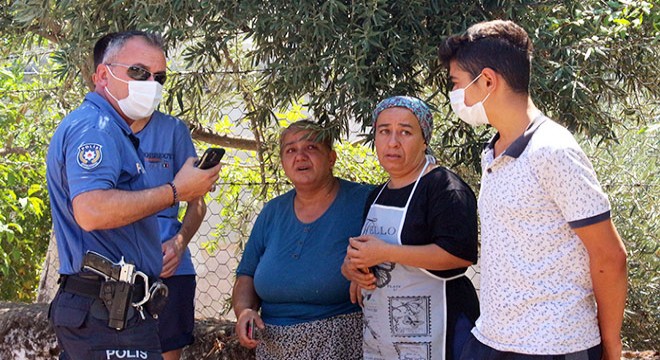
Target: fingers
[(353, 290), (241, 327), (356, 261), (216, 169), (360, 298), (356, 294), (362, 277), (368, 281), (355, 243), (349, 270), (259, 323), (170, 262), (345, 268), (243, 339), (165, 274), (353, 256), (168, 254), (357, 250), (192, 182), (169, 267), (215, 175)]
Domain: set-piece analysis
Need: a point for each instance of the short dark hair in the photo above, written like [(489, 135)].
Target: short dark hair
[(317, 133), (500, 45), (109, 44)]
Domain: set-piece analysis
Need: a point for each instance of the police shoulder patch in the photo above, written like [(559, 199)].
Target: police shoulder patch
[(89, 155)]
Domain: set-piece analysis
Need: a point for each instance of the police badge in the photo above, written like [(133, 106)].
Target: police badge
[(89, 156)]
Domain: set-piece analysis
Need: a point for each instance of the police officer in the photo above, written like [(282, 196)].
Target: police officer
[(101, 201), (166, 143)]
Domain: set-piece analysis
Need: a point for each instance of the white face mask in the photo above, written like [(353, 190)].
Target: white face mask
[(474, 115), (143, 98)]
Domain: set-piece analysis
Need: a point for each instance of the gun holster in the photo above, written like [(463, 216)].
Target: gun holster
[(117, 297), (119, 287)]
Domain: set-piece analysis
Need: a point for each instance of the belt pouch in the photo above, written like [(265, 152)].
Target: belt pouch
[(157, 298)]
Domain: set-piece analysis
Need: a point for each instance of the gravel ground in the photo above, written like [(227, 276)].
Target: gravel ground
[(641, 355)]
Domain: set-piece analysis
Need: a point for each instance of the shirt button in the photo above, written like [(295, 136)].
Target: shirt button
[(489, 170), (295, 256)]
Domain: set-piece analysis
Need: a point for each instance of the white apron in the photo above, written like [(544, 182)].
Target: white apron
[(405, 316)]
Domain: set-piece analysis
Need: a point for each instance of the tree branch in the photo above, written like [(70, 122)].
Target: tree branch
[(12, 151), (206, 136), (251, 106)]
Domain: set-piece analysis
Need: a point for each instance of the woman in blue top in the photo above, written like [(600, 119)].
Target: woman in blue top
[(290, 269)]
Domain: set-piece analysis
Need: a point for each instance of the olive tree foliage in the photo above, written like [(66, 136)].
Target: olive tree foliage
[(344, 56), (630, 174), (27, 109)]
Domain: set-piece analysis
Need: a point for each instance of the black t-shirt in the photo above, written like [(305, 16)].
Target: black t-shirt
[(443, 211)]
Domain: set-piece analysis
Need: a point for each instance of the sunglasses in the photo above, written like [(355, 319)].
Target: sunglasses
[(139, 73)]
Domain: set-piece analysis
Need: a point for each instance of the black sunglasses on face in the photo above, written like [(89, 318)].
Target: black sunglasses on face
[(139, 73)]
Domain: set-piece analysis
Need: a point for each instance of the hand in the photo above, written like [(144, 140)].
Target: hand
[(612, 349), (192, 182), (367, 250), (172, 251), (362, 277), (356, 293), (241, 327)]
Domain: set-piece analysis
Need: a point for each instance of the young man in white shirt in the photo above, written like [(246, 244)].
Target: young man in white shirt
[(553, 267)]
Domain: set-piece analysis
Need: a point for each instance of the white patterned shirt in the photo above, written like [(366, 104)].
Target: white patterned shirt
[(536, 290)]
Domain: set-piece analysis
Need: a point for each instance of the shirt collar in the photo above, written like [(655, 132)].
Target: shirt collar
[(518, 146), (106, 107)]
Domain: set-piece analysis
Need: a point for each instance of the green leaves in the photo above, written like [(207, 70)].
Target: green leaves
[(629, 173), (25, 127)]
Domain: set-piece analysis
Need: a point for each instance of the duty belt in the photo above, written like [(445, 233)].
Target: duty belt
[(89, 285), (119, 285)]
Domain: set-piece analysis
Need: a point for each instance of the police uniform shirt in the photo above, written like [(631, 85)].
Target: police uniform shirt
[(166, 145), (94, 149)]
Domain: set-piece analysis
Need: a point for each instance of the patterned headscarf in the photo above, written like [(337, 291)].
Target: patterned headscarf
[(417, 106)]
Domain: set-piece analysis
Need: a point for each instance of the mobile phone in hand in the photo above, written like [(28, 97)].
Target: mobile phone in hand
[(210, 158), (252, 330)]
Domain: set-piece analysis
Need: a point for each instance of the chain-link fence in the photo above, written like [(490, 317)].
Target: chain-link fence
[(241, 192), (215, 253), (632, 187)]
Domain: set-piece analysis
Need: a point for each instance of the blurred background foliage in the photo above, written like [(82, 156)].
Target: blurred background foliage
[(595, 71), (629, 172)]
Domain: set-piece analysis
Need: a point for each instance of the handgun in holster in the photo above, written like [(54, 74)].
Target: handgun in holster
[(117, 289)]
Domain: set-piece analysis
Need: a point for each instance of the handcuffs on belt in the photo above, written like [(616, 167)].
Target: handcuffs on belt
[(117, 289)]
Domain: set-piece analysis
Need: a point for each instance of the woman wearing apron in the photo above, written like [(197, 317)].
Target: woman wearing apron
[(419, 236)]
